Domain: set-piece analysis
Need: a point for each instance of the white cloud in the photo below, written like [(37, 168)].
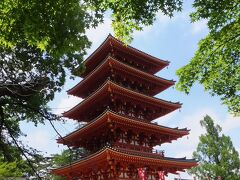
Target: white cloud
[(146, 30), (39, 139), (164, 120), (199, 27), (66, 103), (230, 123), (163, 19), (162, 23), (43, 138)]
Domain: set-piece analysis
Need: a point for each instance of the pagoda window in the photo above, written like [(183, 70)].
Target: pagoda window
[(140, 115), (141, 138), (121, 175), (121, 139), (124, 137), (132, 142), (121, 109), (146, 143), (129, 136), (136, 142), (118, 134), (125, 175), (131, 112)]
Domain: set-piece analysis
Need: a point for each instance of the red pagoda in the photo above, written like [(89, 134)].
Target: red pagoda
[(118, 87)]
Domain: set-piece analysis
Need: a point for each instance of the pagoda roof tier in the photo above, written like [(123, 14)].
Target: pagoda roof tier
[(109, 92), (107, 156), (108, 118), (113, 46), (103, 71)]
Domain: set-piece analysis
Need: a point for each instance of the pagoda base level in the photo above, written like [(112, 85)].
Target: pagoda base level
[(126, 174), (121, 176), (112, 163), (105, 172)]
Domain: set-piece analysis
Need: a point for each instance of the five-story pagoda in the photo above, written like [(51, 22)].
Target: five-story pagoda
[(118, 107)]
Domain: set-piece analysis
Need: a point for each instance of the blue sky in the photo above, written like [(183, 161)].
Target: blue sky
[(174, 40)]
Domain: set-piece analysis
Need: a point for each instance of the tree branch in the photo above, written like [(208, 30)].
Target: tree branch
[(23, 90), (16, 143)]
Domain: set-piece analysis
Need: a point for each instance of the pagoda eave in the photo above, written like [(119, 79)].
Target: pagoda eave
[(107, 46), (111, 90), (104, 159), (105, 120), (111, 64)]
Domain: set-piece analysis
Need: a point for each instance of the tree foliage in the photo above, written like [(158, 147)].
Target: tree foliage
[(66, 157), (53, 26), (216, 63), (128, 16), (12, 163), (12, 169), (216, 154), (40, 41)]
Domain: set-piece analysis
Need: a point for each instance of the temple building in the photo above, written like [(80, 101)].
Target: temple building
[(118, 89)]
